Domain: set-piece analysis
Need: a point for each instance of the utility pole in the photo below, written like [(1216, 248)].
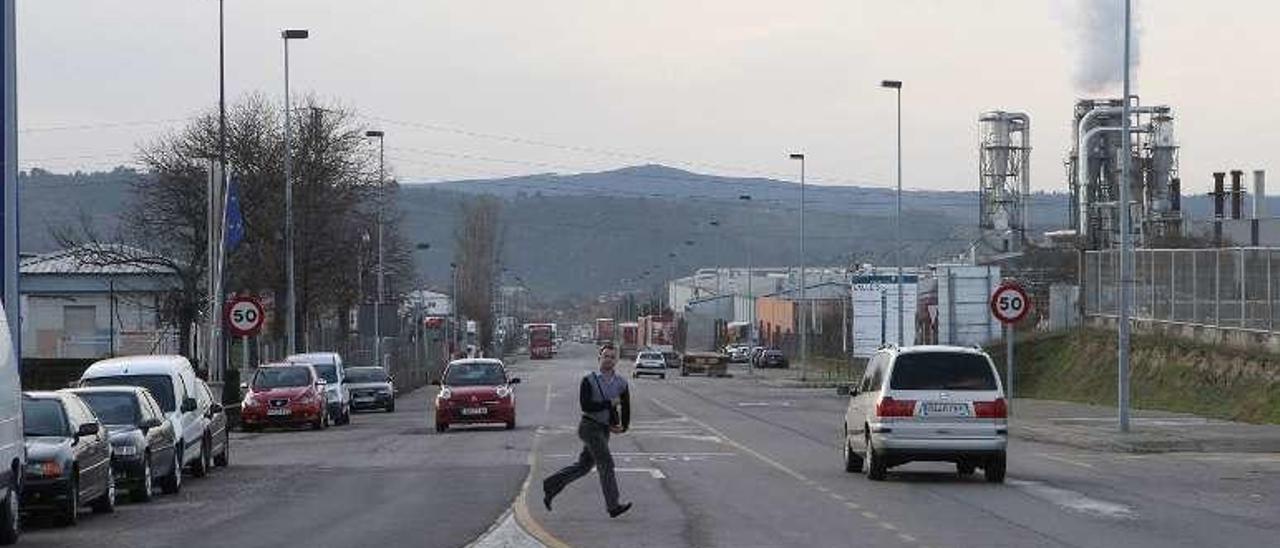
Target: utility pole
[(1126, 241), (377, 301), (291, 300), (803, 308)]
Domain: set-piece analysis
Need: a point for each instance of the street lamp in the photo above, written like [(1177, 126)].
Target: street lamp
[(453, 302), (896, 85), (1126, 246), (291, 300), (804, 319), (719, 262), (377, 301), (746, 199)]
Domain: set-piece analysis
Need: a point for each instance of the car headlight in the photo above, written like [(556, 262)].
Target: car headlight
[(124, 450), (503, 392), (44, 469), (384, 390), (444, 394), (248, 401)]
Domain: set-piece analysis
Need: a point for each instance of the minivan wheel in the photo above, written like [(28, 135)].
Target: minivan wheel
[(876, 469), (67, 515), (852, 462), (10, 526), (995, 468), (965, 469), (200, 468), (106, 503)]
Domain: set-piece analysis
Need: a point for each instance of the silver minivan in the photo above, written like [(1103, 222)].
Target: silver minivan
[(12, 450), (927, 403)]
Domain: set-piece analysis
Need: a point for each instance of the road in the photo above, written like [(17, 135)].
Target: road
[(731, 462), (709, 462)]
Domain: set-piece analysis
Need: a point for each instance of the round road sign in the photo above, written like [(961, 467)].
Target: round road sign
[(244, 316), (1009, 303)]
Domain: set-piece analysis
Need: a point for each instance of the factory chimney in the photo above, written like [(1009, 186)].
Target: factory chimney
[(1259, 194), (1175, 194), (1219, 179), (1237, 193)]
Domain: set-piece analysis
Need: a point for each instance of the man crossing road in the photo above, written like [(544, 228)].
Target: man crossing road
[(606, 408)]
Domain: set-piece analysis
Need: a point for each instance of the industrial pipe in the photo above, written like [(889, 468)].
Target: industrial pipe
[(1083, 135)]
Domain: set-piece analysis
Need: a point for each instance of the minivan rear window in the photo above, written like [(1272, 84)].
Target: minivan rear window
[(941, 371), (161, 386)]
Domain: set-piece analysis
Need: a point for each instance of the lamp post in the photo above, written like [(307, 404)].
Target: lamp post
[(751, 334), (1126, 244), (453, 302), (804, 318), (715, 223), (377, 300), (291, 299), (896, 85)]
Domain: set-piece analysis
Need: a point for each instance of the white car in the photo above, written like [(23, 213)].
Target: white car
[(336, 393), (12, 450), (927, 403), (172, 382), (649, 362)]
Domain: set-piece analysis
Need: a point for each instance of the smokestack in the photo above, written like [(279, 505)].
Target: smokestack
[(1175, 194), (1219, 180), (1237, 193), (1259, 194)]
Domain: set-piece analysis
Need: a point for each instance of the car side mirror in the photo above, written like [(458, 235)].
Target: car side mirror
[(189, 405), (514, 380), (149, 424), (87, 429)]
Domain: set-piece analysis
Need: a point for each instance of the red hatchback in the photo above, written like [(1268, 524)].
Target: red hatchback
[(475, 391), (285, 394)]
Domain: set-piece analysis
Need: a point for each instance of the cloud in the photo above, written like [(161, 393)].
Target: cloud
[(1098, 36)]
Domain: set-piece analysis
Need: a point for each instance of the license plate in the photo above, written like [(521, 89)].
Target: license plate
[(364, 399), (278, 412), (944, 409), (475, 411)]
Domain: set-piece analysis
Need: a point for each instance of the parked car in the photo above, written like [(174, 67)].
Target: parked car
[(284, 394), (218, 435), (329, 366), (754, 357), (173, 383), (672, 359), (773, 357), (712, 364), (68, 458), (650, 362), (927, 403), (143, 442), (738, 353), (475, 391), (13, 456), (371, 388)]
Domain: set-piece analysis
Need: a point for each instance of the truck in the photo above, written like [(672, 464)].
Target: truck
[(657, 333), (541, 340), (630, 339), (604, 330)]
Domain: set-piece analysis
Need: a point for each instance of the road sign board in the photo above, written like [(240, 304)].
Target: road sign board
[(244, 316), (1009, 303)]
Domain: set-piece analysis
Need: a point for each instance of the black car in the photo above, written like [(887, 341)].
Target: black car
[(772, 358), (217, 435), (142, 439), (68, 458), (371, 388)]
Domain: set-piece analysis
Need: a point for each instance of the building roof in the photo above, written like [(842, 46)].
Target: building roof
[(97, 259)]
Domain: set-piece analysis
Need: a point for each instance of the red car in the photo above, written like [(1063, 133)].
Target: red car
[(284, 394), (475, 391)]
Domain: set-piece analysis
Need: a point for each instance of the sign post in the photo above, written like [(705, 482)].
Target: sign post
[(1009, 304), (244, 317)]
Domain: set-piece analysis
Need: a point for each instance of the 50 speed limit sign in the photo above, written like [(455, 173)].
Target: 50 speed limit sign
[(244, 316), (1009, 303)]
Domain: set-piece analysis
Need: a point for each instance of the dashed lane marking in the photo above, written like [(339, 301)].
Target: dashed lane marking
[(1073, 500), (1065, 460), (654, 472)]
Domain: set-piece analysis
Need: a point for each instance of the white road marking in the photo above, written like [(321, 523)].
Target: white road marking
[(729, 441), (764, 404), (853, 505), (657, 474), (547, 407), (678, 455), (906, 538), (1064, 460), (1073, 500)]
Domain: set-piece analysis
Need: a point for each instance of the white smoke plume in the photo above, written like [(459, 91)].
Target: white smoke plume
[(1099, 43)]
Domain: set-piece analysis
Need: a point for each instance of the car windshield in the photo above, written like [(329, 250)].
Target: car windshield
[(327, 371), (475, 374), (942, 371), (113, 407), (161, 387), (43, 417), (281, 377), (650, 356), (363, 374)]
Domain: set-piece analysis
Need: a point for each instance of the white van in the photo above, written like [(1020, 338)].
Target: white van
[(173, 383), (12, 450), (336, 393)]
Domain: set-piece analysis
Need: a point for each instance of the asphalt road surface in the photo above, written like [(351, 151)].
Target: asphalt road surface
[(709, 462)]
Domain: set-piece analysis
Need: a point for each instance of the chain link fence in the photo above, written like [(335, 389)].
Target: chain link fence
[(1226, 288)]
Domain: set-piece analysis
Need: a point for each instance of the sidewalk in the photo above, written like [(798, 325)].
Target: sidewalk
[(1095, 427)]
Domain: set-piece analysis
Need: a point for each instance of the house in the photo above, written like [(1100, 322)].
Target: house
[(95, 301)]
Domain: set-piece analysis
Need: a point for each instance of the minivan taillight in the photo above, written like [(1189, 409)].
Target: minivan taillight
[(889, 407), (991, 409)]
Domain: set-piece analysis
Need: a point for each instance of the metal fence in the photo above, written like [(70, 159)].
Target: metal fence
[(1227, 287)]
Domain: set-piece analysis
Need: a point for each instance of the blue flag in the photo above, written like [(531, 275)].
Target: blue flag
[(234, 219)]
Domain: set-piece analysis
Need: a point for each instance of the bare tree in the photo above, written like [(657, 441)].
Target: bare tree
[(476, 254)]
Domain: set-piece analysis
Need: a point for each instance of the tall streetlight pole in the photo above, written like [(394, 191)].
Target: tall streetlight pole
[(751, 334), (804, 318), (377, 301), (897, 87), (291, 300), (719, 259), (1126, 244), (453, 303)]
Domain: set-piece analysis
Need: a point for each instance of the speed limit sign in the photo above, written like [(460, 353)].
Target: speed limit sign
[(244, 316), (1009, 303)]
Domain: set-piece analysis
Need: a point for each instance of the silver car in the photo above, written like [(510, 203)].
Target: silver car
[(650, 362), (927, 403)]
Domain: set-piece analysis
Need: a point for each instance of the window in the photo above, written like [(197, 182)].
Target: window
[(80, 320), (161, 386), (113, 407), (942, 371), (281, 377), (44, 417)]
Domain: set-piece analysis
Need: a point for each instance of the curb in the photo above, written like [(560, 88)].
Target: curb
[(1141, 444)]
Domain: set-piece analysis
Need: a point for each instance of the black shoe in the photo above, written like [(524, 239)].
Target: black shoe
[(619, 510)]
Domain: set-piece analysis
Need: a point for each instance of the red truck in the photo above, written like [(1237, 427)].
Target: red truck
[(630, 339), (541, 340), (657, 333), (604, 330)]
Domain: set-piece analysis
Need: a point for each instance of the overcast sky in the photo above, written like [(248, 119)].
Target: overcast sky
[(721, 86)]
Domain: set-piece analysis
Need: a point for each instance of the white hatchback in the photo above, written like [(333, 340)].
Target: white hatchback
[(649, 362), (927, 403)]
